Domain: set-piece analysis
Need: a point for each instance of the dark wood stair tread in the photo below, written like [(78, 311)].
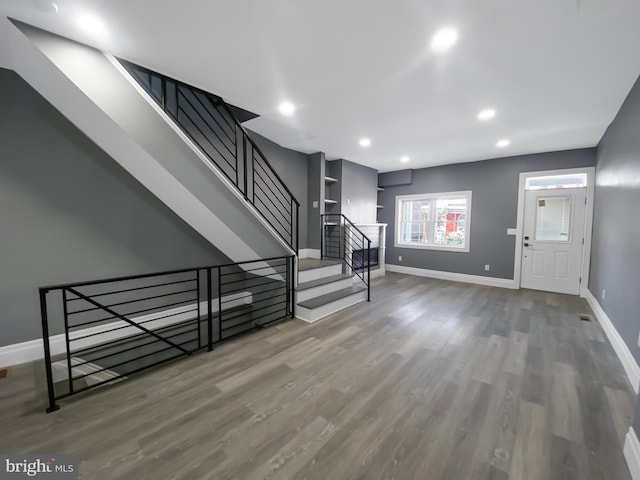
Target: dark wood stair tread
[(331, 297)]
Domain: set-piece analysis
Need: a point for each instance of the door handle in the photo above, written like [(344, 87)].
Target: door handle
[(526, 244)]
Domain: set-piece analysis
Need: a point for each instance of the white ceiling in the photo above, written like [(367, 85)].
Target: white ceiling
[(556, 71)]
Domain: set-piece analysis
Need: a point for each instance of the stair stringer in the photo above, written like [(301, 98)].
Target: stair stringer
[(88, 89)]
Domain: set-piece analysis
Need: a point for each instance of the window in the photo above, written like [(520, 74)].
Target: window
[(576, 180), (437, 221), (553, 219)]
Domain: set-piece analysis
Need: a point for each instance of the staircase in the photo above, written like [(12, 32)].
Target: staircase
[(324, 289), (341, 277), (189, 148), (186, 146), (213, 126)]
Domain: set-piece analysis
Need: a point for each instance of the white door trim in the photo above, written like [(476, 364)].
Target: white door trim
[(588, 224)]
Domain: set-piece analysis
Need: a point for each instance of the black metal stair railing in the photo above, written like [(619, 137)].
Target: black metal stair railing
[(339, 239), (106, 330), (211, 124)]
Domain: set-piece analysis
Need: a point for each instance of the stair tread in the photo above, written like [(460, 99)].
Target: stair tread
[(331, 297), (311, 263), (322, 281)]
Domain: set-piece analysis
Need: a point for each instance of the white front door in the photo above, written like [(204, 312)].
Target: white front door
[(553, 240)]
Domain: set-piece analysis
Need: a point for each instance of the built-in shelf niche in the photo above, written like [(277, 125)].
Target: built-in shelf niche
[(379, 206), (331, 191)]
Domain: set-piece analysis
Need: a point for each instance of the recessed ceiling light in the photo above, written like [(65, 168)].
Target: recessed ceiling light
[(405, 159), (486, 114), (503, 143), (444, 39), (93, 26), (365, 142), (46, 6), (287, 109)]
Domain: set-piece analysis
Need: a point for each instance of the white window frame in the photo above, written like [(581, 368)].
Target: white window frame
[(467, 224)]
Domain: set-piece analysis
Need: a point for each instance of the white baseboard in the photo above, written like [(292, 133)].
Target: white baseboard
[(624, 354), (454, 277), (378, 272), (632, 453), (309, 253), (33, 349)]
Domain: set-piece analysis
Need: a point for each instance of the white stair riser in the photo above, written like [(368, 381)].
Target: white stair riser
[(315, 314), (302, 295), (316, 273)]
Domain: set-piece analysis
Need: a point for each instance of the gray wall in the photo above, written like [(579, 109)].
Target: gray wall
[(359, 192), (315, 193), (70, 213), (494, 184), (636, 418), (615, 256), (356, 190), (397, 177), (292, 168)]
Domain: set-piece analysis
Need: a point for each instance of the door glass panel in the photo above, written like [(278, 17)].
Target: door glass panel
[(553, 218)]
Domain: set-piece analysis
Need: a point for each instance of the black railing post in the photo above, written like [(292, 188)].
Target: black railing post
[(219, 304), (368, 268), (198, 313), (236, 158), (342, 240), (292, 282), (244, 160), (53, 406), (287, 285), (297, 227), (253, 176), (321, 236), (291, 242), (65, 314), (209, 312)]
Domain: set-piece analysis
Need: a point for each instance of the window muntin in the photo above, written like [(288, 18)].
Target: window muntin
[(437, 221)]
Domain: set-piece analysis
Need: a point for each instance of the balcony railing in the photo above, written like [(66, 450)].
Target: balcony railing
[(105, 330)]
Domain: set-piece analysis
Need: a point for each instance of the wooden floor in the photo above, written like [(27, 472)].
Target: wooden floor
[(431, 380)]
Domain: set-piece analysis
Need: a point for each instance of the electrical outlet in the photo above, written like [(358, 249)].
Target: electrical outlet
[(487, 268), (603, 293), (315, 204), (399, 258)]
